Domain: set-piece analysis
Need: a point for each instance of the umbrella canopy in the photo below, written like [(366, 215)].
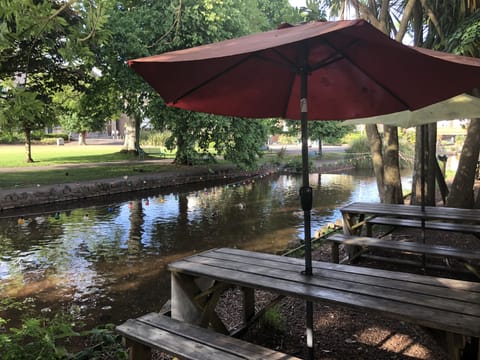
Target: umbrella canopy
[(334, 70), (354, 71), (459, 107)]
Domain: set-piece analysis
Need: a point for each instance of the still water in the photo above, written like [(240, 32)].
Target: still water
[(108, 261)]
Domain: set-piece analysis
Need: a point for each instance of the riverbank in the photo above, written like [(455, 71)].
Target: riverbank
[(69, 191)]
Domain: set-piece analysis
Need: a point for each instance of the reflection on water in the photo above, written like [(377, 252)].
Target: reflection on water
[(109, 260)]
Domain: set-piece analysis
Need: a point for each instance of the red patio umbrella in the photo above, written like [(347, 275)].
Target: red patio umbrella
[(343, 69)]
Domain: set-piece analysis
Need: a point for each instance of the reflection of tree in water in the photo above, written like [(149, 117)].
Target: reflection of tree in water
[(134, 242)]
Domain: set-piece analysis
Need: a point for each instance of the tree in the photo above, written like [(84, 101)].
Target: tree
[(136, 32), (85, 111), (45, 45), (22, 109), (327, 131), (464, 41)]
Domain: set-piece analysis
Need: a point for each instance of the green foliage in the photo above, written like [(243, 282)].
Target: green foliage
[(329, 132), (465, 40), (358, 152), (277, 12), (7, 137), (281, 153), (154, 138), (44, 45), (287, 139), (273, 321), (295, 164), (48, 338)]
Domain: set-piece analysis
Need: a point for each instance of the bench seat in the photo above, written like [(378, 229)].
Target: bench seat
[(431, 225), (406, 246), (187, 341)]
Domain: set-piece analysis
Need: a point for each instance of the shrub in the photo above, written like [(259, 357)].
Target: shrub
[(39, 336), (154, 138), (10, 138)]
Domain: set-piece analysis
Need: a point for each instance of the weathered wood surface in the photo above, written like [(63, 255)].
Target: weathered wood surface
[(192, 342), (414, 212), (407, 246), (432, 225), (444, 304)]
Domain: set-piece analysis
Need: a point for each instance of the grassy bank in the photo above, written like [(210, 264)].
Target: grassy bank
[(73, 163), (70, 163)]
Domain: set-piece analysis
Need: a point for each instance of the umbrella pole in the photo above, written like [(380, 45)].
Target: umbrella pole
[(306, 196)]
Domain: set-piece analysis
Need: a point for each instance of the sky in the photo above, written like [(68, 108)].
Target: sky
[(297, 3)]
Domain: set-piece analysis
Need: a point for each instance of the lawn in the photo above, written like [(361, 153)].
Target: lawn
[(56, 164), (44, 155)]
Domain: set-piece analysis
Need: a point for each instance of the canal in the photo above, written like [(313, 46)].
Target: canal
[(106, 261)]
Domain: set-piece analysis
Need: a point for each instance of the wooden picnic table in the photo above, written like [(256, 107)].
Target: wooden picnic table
[(356, 214), (451, 306), (359, 214)]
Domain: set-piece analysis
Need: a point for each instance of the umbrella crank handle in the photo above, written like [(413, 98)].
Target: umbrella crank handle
[(306, 198)]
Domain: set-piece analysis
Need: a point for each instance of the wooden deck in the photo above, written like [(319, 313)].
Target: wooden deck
[(449, 305)]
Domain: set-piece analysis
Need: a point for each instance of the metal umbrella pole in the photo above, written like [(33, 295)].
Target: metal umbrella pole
[(306, 195)]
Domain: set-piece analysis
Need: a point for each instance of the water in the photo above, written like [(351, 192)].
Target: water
[(108, 260)]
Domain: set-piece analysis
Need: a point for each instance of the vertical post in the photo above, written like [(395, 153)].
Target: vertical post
[(423, 137), (306, 191)]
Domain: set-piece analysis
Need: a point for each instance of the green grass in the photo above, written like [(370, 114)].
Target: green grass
[(50, 157), (22, 179), (44, 155)]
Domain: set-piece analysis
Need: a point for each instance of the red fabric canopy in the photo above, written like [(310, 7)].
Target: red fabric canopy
[(354, 71)]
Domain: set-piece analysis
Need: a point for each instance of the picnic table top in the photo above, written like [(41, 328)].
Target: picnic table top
[(413, 211), (444, 304)]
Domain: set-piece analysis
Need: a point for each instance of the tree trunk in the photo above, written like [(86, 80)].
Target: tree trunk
[(320, 150), (461, 194), (431, 169), (28, 146), (130, 134), (393, 183), (82, 137), (416, 185), (429, 154), (376, 149)]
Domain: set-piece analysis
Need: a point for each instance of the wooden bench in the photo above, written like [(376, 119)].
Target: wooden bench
[(187, 341), (431, 225), (405, 246), (451, 306), (356, 214)]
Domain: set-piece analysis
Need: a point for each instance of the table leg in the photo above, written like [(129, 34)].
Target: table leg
[(194, 300)]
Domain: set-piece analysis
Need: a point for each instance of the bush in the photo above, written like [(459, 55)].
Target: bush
[(41, 337), (358, 154), (10, 138), (55, 136), (154, 138)]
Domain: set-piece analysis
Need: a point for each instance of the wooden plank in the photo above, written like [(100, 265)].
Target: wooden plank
[(210, 338), (295, 264), (441, 300), (414, 211), (413, 312), (408, 246), (454, 227), (407, 284), (170, 343)]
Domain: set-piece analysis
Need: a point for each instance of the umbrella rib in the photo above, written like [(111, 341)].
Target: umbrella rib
[(346, 57), (217, 75)]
